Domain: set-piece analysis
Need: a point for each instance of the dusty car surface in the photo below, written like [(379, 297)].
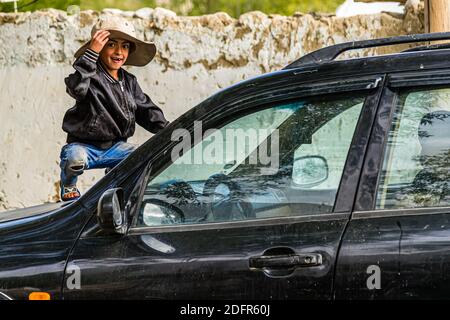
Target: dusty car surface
[(325, 180)]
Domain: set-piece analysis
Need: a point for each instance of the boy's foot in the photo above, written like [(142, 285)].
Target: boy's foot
[(69, 193)]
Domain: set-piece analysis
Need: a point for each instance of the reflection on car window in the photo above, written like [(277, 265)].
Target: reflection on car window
[(286, 160), (416, 166)]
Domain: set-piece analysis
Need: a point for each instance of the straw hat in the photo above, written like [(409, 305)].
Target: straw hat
[(121, 28)]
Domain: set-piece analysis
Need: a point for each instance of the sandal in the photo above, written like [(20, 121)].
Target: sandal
[(69, 193)]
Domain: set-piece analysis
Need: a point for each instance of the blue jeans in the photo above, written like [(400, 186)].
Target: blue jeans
[(77, 157)]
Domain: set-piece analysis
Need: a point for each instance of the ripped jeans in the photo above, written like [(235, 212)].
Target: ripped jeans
[(77, 157)]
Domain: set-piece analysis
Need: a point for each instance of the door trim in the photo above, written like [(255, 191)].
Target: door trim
[(348, 186), (358, 215), (239, 224)]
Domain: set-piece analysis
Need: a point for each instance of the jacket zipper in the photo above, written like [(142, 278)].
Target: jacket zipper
[(126, 106)]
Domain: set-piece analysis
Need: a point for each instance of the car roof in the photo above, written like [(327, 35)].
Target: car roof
[(330, 53)]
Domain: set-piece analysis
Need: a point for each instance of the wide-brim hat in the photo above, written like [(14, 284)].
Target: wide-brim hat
[(120, 28)]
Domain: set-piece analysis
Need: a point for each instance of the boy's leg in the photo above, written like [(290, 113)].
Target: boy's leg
[(75, 158), (73, 162), (116, 154)]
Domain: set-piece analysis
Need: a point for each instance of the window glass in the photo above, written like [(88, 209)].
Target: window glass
[(415, 167), (285, 160)]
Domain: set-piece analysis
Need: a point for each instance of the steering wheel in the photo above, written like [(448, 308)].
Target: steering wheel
[(224, 209)]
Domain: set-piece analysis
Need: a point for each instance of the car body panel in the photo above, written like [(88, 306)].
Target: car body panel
[(30, 211), (34, 251), (207, 264)]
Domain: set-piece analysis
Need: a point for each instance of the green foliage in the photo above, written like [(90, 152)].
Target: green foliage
[(130, 5), (186, 7), (238, 7), (32, 5)]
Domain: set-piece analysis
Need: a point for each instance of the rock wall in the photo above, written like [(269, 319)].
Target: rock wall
[(196, 57)]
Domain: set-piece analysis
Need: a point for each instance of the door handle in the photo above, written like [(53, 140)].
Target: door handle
[(285, 261)]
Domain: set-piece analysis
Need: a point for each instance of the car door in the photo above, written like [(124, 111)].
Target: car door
[(250, 203), (397, 244)]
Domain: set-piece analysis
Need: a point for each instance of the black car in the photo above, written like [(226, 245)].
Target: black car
[(325, 180)]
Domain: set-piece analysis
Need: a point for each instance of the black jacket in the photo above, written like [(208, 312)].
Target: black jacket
[(106, 109)]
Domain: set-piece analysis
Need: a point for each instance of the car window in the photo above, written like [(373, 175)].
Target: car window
[(415, 168), (331, 142), (286, 160)]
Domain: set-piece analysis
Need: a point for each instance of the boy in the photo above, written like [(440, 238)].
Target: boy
[(108, 102)]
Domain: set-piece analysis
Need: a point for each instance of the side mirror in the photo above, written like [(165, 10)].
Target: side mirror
[(110, 211), (309, 171)]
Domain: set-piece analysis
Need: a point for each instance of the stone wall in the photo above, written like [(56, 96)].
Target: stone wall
[(196, 57)]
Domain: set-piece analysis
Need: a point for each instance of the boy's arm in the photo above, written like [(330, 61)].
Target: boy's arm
[(77, 83), (148, 115)]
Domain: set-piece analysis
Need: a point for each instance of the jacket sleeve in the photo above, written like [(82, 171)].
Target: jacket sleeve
[(77, 83), (148, 115)]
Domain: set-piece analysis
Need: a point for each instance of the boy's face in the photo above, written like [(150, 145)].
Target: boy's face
[(115, 53)]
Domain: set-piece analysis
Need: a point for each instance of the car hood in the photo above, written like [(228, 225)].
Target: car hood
[(30, 211)]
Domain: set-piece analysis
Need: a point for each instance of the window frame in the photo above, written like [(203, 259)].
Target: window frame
[(370, 86), (365, 204)]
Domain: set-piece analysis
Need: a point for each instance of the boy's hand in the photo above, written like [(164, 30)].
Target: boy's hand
[(99, 40)]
